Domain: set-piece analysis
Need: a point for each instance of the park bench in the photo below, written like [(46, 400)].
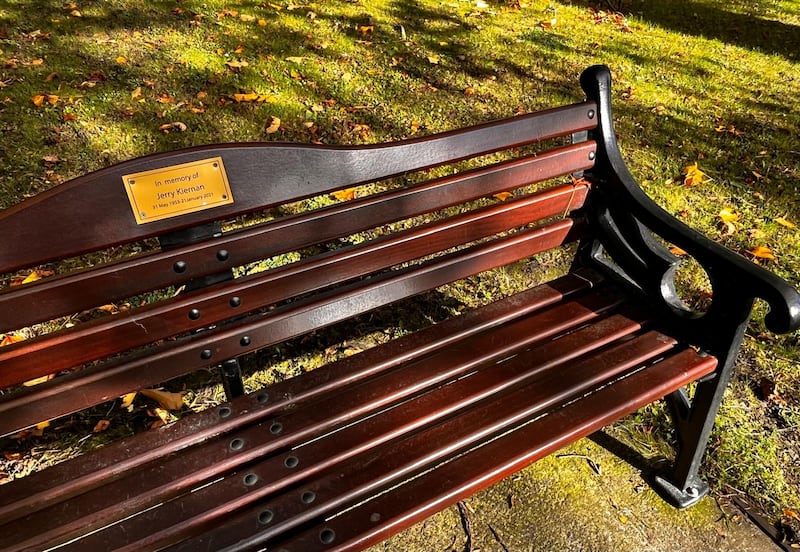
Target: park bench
[(342, 456)]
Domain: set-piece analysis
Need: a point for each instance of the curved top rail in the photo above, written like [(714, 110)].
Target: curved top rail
[(93, 211)]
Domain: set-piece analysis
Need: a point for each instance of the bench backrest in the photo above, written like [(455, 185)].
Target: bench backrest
[(188, 200)]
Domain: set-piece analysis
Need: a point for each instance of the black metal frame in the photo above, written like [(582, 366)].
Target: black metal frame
[(624, 220)]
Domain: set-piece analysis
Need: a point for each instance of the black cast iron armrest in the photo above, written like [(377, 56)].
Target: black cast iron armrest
[(735, 281)]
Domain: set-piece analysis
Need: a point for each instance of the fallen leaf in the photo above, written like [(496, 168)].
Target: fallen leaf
[(677, 251), (8, 339), (127, 400), (726, 215), (236, 64), (239, 49), (783, 222), (694, 176), (122, 60), (12, 456), (102, 425), (274, 125), (262, 23), (51, 159), (295, 59), (39, 429), (69, 117), (170, 127), (434, 59), (161, 415), (345, 195), (366, 29), (136, 92), (762, 252), (502, 196), (253, 97), (31, 277), (247, 18), (37, 381), (414, 127), (38, 100), (167, 400), (791, 514)]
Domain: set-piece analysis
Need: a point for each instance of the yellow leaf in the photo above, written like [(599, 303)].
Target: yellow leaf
[(694, 176), (262, 23), (345, 195), (414, 126), (122, 60), (366, 29), (236, 65), (137, 92), (274, 125), (36, 274), (102, 425), (726, 215), (247, 18), (295, 59), (37, 381), (783, 222), (675, 250), (39, 429), (502, 196), (8, 339), (167, 400), (434, 59), (52, 100), (127, 400), (38, 100), (762, 252)]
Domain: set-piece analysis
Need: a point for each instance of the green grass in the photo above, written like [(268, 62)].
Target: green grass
[(701, 81)]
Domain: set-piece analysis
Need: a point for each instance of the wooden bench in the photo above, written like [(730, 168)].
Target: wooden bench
[(342, 456)]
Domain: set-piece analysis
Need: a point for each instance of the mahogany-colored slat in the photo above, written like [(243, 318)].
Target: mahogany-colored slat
[(260, 176), (68, 478), (373, 521), (157, 364), (66, 349), (72, 293), (181, 518), (379, 469), (195, 466)]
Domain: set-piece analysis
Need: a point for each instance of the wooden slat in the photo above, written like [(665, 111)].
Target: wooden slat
[(378, 469), (194, 467), (181, 356), (67, 349), (67, 479), (72, 293), (260, 175), (419, 498)]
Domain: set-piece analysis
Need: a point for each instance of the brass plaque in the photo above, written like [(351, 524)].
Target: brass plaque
[(177, 190)]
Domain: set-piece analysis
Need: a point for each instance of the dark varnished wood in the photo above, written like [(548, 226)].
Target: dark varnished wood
[(260, 175)]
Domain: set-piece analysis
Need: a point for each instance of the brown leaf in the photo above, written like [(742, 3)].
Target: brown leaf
[(51, 159), (274, 125), (235, 65), (38, 100), (102, 425), (694, 176), (177, 126), (502, 196), (136, 92), (167, 400), (675, 250)]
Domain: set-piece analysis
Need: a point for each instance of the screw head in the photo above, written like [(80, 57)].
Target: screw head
[(179, 267), (222, 255), (205, 354), (591, 114), (592, 155), (235, 301), (194, 314)]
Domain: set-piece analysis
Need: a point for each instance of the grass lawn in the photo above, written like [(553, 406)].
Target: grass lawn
[(84, 84)]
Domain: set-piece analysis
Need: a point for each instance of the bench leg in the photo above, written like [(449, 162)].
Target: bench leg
[(681, 485), (232, 379)]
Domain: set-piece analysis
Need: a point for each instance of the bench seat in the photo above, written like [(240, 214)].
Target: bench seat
[(385, 437)]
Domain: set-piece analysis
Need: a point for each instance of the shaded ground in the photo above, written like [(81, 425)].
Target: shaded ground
[(562, 503)]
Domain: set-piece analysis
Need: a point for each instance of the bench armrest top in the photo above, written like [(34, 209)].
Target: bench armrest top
[(725, 268)]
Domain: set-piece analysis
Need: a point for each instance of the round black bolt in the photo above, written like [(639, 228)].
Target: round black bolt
[(265, 517), (591, 156), (179, 267), (222, 255), (235, 301), (591, 114), (194, 314), (327, 536), (250, 479), (205, 354), (308, 497), (275, 428), (237, 444), (291, 462), (244, 341)]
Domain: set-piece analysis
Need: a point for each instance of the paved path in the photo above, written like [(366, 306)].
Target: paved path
[(562, 503)]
